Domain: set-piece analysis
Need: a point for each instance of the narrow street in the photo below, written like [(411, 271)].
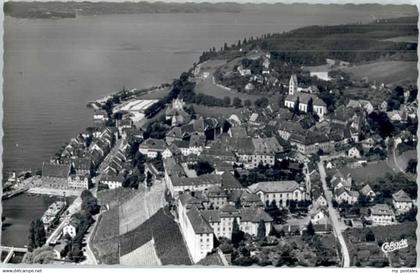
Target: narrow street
[(337, 225), (90, 257), (106, 161)]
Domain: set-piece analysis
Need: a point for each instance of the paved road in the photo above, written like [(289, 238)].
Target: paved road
[(90, 257), (73, 208), (393, 162), (337, 225)]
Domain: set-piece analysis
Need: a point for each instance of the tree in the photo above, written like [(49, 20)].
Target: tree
[(237, 102), (237, 234), (261, 230), (226, 101), (310, 229), (203, 167), (89, 203), (37, 236), (247, 103), (412, 166), (261, 102), (42, 255), (370, 236), (226, 126), (310, 108), (296, 107), (273, 231)]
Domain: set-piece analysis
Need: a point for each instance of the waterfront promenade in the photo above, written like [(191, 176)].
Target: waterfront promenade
[(55, 192)]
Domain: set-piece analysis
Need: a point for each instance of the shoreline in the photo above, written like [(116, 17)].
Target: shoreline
[(54, 192)]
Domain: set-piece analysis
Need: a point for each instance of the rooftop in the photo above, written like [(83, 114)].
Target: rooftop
[(275, 186)]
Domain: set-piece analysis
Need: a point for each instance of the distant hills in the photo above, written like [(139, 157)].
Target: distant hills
[(72, 9), (311, 45)]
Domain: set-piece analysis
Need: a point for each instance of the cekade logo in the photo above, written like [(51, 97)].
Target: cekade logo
[(392, 246)]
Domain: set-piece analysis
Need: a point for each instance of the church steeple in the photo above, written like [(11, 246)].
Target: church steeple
[(293, 84)]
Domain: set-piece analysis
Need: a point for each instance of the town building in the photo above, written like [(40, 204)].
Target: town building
[(368, 192), (311, 142), (402, 202), (382, 214), (281, 192), (78, 181), (152, 147), (112, 181), (343, 195), (71, 227), (176, 113), (319, 106), (265, 150), (197, 232)]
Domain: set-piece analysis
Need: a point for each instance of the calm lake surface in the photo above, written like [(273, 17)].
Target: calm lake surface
[(53, 67)]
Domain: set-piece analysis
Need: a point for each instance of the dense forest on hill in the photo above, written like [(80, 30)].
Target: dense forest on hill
[(311, 45)]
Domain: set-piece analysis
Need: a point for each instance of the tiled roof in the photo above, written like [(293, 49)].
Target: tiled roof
[(181, 144), (197, 141), (268, 145), (381, 209), (242, 145), (366, 190), (155, 144), (238, 132), (211, 215), (230, 182), (275, 186), (342, 113), (254, 215), (304, 98), (206, 179), (112, 178), (401, 196), (198, 222), (309, 138), (175, 132), (250, 197), (216, 191), (199, 125), (291, 127), (82, 163)]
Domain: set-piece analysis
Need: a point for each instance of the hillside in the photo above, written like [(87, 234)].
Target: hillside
[(355, 43), (388, 72)]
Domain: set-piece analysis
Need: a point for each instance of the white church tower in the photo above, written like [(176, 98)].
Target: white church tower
[(293, 84)]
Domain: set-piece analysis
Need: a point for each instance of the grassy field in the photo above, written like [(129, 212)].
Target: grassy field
[(403, 39), (388, 72), (376, 97), (369, 173), (208, 87), (155, 94)]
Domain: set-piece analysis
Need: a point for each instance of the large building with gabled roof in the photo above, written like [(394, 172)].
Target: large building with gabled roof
[(280, 192)]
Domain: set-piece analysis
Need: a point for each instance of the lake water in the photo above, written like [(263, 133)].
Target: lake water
[(19, 211), (53, 67)]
